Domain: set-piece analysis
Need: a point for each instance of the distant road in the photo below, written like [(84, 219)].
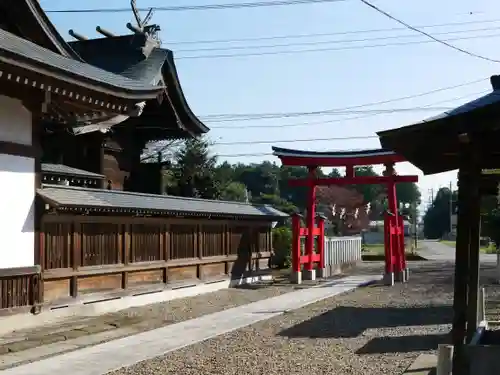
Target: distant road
[(434, 250)]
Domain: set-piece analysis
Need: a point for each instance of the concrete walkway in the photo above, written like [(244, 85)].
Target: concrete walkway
[(435, 250), (103, 358)]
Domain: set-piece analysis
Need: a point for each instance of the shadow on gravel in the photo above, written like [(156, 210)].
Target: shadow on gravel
[(403, 344), (349, 322)]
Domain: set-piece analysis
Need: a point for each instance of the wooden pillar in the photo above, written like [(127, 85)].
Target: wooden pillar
[(474, 268), (38, 204), (321, 243), (388, 244), (392, 238), (296, 218), (466, 220), (310, 223), (474, 242)]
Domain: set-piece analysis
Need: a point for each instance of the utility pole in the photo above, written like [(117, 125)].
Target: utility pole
[(431, 197)]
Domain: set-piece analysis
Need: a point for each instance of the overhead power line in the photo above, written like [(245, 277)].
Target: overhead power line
[(309, 123), (257, 4), (269, 116), (314, 35), (322, 42), (441, 41), (314, 139), (329, 49), (371, 104), (354, 138)]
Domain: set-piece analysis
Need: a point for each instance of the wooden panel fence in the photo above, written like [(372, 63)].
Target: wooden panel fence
[(19, 289), (83, 255)]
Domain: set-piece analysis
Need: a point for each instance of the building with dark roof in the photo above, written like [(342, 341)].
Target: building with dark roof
[(76, 223)]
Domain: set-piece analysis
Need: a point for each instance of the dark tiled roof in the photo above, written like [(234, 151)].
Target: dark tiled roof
[(124, 55), (34, 25), (278, 151), (73, 197), (432, 145), (172, 78), (481, 102), (64, 170), (24, 49)]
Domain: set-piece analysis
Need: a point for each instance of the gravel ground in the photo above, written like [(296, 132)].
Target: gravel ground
[(178, 310), (147, 317), (376, 329), (182, 309)]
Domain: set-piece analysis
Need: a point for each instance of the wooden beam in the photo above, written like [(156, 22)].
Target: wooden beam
[(335, 160), (352, 180)]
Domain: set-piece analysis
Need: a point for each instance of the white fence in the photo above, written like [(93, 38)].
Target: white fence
[(341, 251)]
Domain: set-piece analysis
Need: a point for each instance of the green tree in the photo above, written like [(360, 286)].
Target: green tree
[(372, 193), (234, 191), (437, 218), (408, 193), (282, 247), (194, 170), (296, 195)]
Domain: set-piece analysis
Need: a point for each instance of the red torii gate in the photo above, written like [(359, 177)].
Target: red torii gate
[(395, 259)]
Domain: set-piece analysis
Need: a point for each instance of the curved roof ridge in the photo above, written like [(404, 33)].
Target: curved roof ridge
[(50, 31), (279, 151), (175, 80)]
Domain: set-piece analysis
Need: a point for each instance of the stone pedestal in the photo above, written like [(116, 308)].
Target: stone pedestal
[(296, 277), (321, 272), (388, 279), (309, 275), (400, 276)]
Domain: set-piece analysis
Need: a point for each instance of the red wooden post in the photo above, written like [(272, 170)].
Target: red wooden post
[(402, 247), (296, 218), (310, 222), (389, 269), (321, 242)]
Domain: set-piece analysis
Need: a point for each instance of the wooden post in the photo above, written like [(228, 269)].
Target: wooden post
[(321, 245), (296, 275), (166, 250), (394, 218), (127, 243), (389, 270), (402, 248), (310, 223), (76, 254), (474, 245), (462, 262)]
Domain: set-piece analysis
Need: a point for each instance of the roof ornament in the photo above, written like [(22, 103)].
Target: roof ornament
[(77, 36), (142, 23), (105, 32)]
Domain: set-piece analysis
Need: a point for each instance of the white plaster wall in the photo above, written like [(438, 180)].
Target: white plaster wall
[(17, 188)]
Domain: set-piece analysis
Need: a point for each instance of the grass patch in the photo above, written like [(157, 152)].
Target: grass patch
[(376, 252), (484, 249), (374, 249)]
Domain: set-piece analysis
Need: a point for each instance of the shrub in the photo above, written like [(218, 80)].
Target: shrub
[(282, 248)]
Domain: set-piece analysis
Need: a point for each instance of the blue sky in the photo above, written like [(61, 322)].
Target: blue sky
[(301, 82)]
